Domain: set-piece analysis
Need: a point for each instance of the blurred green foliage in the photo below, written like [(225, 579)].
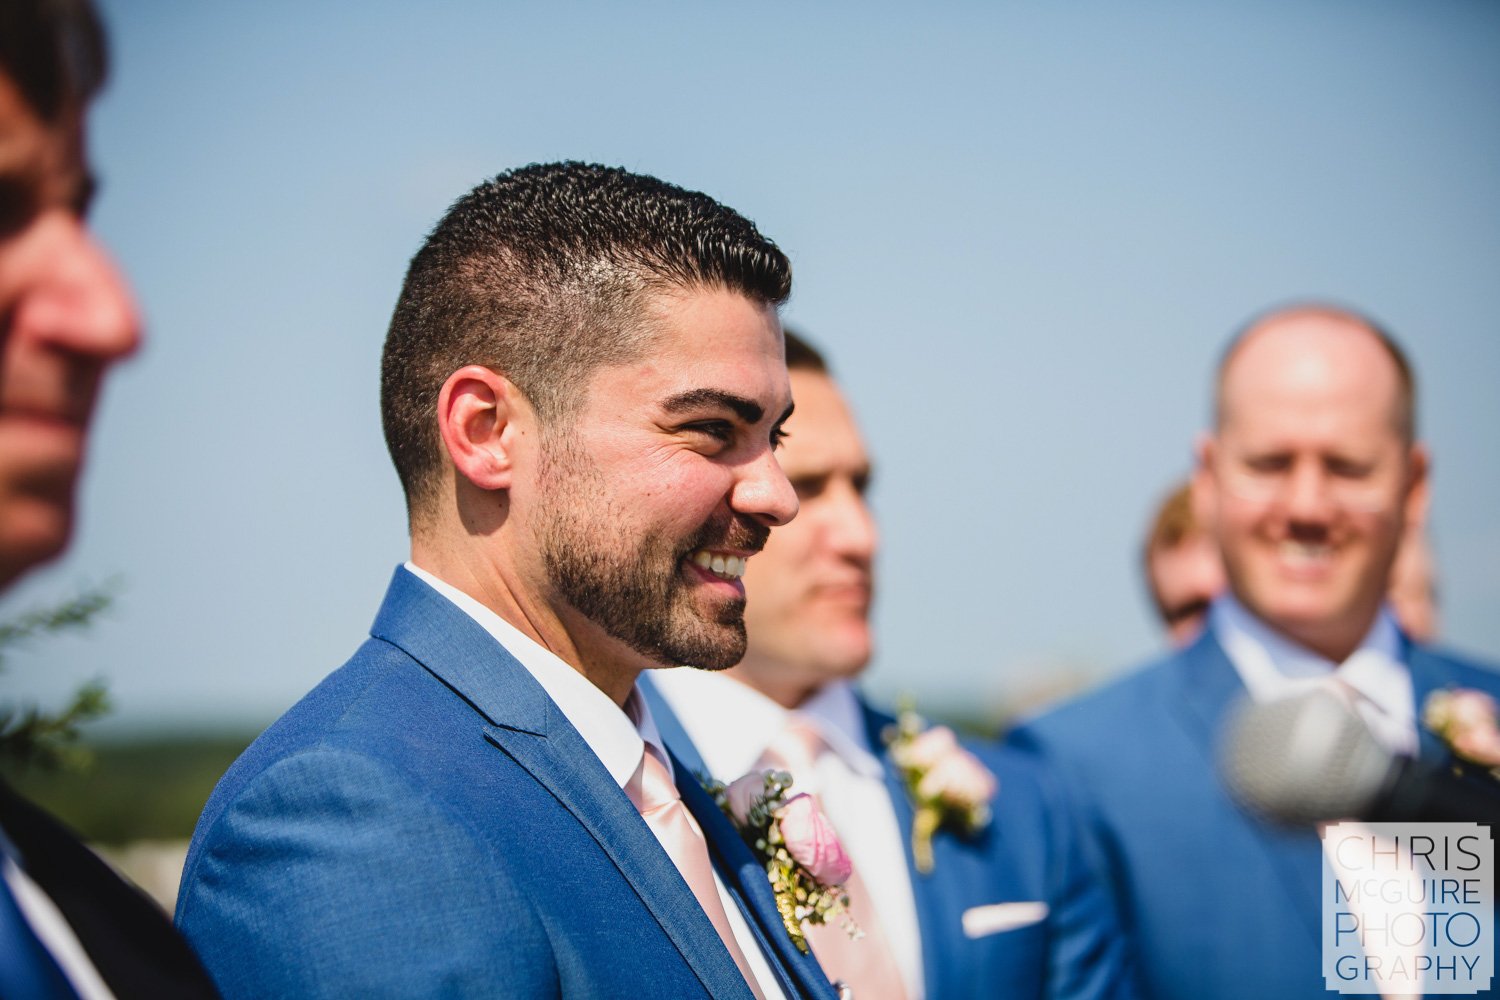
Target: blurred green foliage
[(111, 791), (144, 788), (30, 736)]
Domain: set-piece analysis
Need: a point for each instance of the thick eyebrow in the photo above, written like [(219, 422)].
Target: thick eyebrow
[(747, 410)]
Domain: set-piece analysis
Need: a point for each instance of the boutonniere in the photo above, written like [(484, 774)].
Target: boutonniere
[(793, 839), (947, 784), (1465, 719)]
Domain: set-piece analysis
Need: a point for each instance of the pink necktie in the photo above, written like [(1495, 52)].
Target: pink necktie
[(865, 965), (652, 790)]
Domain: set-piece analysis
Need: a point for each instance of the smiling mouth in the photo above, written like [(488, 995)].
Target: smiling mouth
[(721, 565), (1296, 553)]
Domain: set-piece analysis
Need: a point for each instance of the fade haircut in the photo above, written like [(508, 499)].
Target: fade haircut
[(542, 275), (1406, 380), (54, 53)]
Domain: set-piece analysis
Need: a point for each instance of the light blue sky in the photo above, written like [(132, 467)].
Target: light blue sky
[(1021, 230)]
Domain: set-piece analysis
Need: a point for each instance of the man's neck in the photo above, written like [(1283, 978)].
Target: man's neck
[(774, 680), (565, 633)]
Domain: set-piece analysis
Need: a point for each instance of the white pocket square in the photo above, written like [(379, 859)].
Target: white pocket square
[(996, 917)]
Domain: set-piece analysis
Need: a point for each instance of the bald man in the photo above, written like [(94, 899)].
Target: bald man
[(1308, 480)]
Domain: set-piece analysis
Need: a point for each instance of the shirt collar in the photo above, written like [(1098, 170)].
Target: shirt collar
[(1274, 666), (617, 738), (732, 724)]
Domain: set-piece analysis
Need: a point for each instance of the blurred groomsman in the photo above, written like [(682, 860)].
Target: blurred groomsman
[(1009, 911), (1309, 479), (68, 925), (1184, 572), (1183, 568)]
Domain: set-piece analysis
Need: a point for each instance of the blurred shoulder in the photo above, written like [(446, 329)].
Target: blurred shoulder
[(1129, 701), (1458, 669)]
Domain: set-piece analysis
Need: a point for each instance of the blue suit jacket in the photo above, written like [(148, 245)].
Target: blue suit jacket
[(1219, 903), (427, 823), (124, 935), (1029, 853)]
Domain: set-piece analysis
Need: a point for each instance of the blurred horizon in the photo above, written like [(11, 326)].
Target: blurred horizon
[(1021, 232)]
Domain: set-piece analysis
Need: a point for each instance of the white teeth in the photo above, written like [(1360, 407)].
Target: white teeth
[(1304, 552), (727, 567)]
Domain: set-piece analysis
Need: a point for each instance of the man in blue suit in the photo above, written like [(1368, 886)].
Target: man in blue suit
[(1008, 911), (582, 388), (1309, 480)]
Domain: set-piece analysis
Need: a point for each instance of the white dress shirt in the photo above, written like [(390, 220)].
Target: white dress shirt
[(1273, 666), (618, 738), (732, 724)]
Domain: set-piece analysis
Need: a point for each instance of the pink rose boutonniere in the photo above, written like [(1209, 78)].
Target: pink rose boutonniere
[(948, 785), (796, 843), (1465, 719)]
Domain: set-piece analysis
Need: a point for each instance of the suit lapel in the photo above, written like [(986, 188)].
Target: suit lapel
[(1428, 674), (1209, 687), (743, 876), (528, 727), (746, 881), (931, 891), (129, 941)]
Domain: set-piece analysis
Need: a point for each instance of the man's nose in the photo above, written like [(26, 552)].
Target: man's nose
[(1309, 493), (79, 301), (763, 491)]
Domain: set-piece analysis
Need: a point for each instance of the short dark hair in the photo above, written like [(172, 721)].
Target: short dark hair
[(1406, 379), (540, 274), (802, 356), (54, 52)]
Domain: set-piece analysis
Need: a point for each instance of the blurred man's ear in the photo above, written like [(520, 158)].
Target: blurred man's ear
[(1205, 485), (1418, 489)]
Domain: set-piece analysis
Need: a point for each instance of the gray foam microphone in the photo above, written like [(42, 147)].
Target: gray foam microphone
[(1311, 759), (1305, 759)]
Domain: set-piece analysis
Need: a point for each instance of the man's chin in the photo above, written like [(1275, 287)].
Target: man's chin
[(707, 644), (1317, 624)]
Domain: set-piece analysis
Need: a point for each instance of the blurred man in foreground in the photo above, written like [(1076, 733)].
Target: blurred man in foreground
[(582, 389), (1310, 477), (1003, 910), (68, 925)]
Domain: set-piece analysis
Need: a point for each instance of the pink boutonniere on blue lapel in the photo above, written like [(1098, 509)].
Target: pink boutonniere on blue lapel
[(947, 784), (1465, 719), (794, 840)]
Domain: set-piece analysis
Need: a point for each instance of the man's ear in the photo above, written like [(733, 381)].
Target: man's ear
[(1418, 490), (1204, 484), (481, 415)]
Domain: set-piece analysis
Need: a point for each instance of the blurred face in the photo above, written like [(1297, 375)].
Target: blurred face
[(65, 316), (810, 590), (649, 504), (1309, 480), (1185, 579), (1413, 596)]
